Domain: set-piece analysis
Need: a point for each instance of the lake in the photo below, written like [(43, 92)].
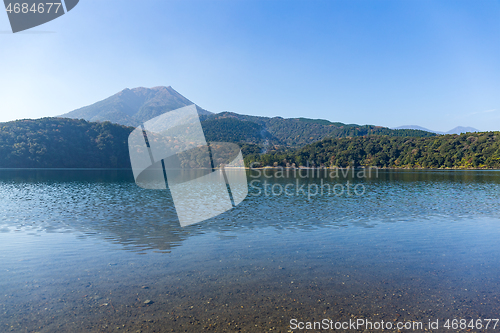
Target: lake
[(89, 250)]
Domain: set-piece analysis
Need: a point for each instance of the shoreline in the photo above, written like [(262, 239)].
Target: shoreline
[(273, 167)]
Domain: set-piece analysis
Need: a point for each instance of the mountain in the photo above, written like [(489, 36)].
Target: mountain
[(461, 129), (456, 130), (99, 137), (131, 107), (415, 127)]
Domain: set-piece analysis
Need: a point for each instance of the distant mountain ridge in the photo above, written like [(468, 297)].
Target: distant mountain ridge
[(456, 130), (76, 143), (98, 138), (297, 132), (131, 107), (461, 129)]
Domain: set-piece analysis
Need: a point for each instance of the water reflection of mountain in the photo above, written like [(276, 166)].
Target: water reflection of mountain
[(108, 205)]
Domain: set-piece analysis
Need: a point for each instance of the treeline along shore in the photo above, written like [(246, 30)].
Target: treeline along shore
[(72, 143), (465, 151), (63, 143)]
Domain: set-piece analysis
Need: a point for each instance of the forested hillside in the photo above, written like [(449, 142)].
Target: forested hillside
[(297, 132), (234, 130), (71, 143), (63, 143), (471, 150)]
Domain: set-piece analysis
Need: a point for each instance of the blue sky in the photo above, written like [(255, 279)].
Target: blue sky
[(430, 63)]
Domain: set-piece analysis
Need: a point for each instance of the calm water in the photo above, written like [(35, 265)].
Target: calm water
[(84, 250)]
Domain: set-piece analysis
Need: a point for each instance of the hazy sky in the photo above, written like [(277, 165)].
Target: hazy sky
[(430, 63)]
